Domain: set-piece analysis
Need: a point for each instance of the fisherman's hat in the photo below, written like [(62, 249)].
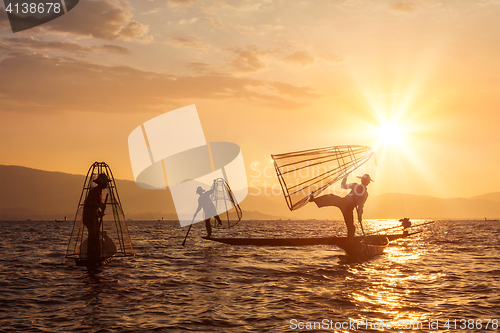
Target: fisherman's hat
[(200, 190), (102, 179), (366, 176)]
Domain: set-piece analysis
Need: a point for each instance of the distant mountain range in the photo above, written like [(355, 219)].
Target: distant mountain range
[(27, 193)]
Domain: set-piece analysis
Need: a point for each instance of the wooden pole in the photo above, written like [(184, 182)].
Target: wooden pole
[(187, 233)]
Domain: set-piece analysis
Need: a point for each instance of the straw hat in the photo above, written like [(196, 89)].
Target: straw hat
[(102, 179), (366, 177)]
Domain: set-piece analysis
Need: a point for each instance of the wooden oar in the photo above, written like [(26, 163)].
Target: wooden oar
[(400, 226), (187, 233), (361, 224)]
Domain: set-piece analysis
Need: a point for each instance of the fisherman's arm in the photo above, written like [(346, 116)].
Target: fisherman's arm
[(102, 206), (92, 204), (344, 184), (94, 201), (197, 209)]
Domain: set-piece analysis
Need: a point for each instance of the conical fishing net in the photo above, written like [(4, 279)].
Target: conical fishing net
[(226, 205), (113, 236), (311, 171)]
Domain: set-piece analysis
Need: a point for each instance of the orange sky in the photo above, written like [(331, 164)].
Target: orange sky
[(271, 76)]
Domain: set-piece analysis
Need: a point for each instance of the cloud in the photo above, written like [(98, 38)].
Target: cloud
[(271, 27), (300, 57), (199, 66), (246, 5), (152, 11), (259, 30), (404, 7), (332, 57), (213, 22), (133, 30), (291, 90), (4, 20), (110, 49), (106, 19), (253, 59), (190, 21), (187, 42), (210, 20), (250, 59), (180, 3), (33, 44), (37, 83), (243, 29), (148, 39)]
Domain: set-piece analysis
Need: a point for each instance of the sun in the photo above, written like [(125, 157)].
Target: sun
[(389, 132)]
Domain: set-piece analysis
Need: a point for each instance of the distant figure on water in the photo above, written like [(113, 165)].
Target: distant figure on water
[(205, 202), (356, 198), (405, 223), (93, 209)]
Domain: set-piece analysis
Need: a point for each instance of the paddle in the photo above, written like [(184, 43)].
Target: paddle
[(400, 226), (187, 233), (361, 224)]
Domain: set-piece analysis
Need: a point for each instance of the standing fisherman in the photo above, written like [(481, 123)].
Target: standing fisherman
[(205, 202), (93, 209), (355, 199)]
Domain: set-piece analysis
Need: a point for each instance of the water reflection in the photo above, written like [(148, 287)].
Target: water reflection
[(91, 288), (388, 288), (447, 272)]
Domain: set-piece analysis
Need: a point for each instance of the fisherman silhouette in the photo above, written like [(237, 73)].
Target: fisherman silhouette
[(355, 199), (93, 209), (205, 202)]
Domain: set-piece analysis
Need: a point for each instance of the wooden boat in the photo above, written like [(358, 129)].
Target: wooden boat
[(333, 240), (361, 248), (93, 264), (365, 248)]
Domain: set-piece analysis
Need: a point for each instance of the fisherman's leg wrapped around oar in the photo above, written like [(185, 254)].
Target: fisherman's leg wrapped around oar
[(346, 207), (329, 200)]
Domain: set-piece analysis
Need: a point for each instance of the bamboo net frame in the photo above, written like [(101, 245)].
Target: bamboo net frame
[(226, 205), (113, 224), (307, 172)]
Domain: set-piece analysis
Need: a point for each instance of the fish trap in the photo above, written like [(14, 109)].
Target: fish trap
[(113, 235)]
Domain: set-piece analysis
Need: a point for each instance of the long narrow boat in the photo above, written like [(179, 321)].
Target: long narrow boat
[(93, 264), (333, 240), (358, 249), (365, 248)]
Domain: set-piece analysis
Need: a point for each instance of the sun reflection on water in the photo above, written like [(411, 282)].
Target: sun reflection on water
[(391, 290)]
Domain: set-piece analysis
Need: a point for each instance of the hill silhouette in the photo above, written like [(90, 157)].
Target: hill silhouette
[(27, 193)]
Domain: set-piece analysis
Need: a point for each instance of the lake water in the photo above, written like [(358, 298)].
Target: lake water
[(449, 274)]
